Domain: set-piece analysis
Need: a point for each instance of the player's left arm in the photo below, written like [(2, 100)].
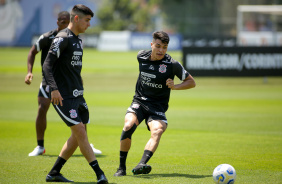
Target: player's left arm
[(187, 79), (187, 83)]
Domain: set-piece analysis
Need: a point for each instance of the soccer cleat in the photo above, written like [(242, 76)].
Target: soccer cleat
[(57, 178), (120, 172), (142, 169), (96, 151), (37, 151), (102, 179)]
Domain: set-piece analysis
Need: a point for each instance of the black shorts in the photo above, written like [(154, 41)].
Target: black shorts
[(43, 91), (148, 111), (73, 111)]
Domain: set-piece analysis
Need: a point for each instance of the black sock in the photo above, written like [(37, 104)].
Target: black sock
[(122, 159), (95, 166), (40, 143), (146, 156), (57, 166)]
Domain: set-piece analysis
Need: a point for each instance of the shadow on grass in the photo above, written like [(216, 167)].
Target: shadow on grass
[(151, 176), (80, 155)]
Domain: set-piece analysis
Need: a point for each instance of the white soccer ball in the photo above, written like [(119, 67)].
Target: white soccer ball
[(224, 174)]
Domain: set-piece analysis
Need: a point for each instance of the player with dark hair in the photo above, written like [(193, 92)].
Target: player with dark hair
[(62, 71), (43, 44), (157, 70)]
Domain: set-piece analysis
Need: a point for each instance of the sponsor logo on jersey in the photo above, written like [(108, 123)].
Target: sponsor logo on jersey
[(151, 67), (77, 92), (73, 113), (162, 68), (153, 85), (76, 58), (147, 80), (77, 53), (148, 75)]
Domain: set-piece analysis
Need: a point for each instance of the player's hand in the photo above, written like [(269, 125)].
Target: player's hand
[(28, 78), (170, 83), (56, 98)]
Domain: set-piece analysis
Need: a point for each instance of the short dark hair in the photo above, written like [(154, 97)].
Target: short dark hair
[(79, 10), (63, 13), (161, 35)]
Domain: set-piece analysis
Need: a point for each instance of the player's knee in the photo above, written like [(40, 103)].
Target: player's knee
[(128, 131), (43, 107), (127, 126), (157, 132)]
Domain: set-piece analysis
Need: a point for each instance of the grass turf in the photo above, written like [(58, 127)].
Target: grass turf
[(223, 120)]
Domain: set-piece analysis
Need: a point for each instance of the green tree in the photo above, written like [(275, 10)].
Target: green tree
[(119, 15)]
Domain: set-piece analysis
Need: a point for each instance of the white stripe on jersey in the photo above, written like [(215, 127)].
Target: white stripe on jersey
[(183, 72), (43, 91), (58, 52), (37, 43), (68, 119)]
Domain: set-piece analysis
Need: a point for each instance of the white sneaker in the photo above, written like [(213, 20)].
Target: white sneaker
[(37, 151), (96, 151)]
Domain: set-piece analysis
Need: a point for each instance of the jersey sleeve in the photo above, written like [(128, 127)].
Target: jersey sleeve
[(57, 46), (41, 43), (179, 71)]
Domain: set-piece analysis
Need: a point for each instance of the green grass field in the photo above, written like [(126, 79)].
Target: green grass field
[(223, 120)]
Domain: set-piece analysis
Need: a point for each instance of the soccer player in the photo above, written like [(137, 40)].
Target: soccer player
[(157, 70), (43, 44), (62, 71)]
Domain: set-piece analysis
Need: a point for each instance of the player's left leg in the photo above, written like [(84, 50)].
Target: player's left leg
[(157, 128)]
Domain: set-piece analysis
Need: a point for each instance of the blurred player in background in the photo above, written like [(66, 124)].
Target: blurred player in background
[(154, 84), (43, 45), (62, 71)]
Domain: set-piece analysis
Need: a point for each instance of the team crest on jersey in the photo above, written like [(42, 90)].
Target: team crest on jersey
[(73, 113), (162, 68), (135, 106)]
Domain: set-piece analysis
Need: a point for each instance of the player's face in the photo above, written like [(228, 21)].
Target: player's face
[(158, 50), (84, 23), (63, 22)]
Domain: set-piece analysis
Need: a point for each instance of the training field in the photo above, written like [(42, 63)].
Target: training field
[(223, 120)]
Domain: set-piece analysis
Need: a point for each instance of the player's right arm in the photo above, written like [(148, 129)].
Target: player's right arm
[(57, 47), (30, 61), (41, 43)]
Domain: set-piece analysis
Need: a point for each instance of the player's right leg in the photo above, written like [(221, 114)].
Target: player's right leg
[(130, 124), (41, 120)]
